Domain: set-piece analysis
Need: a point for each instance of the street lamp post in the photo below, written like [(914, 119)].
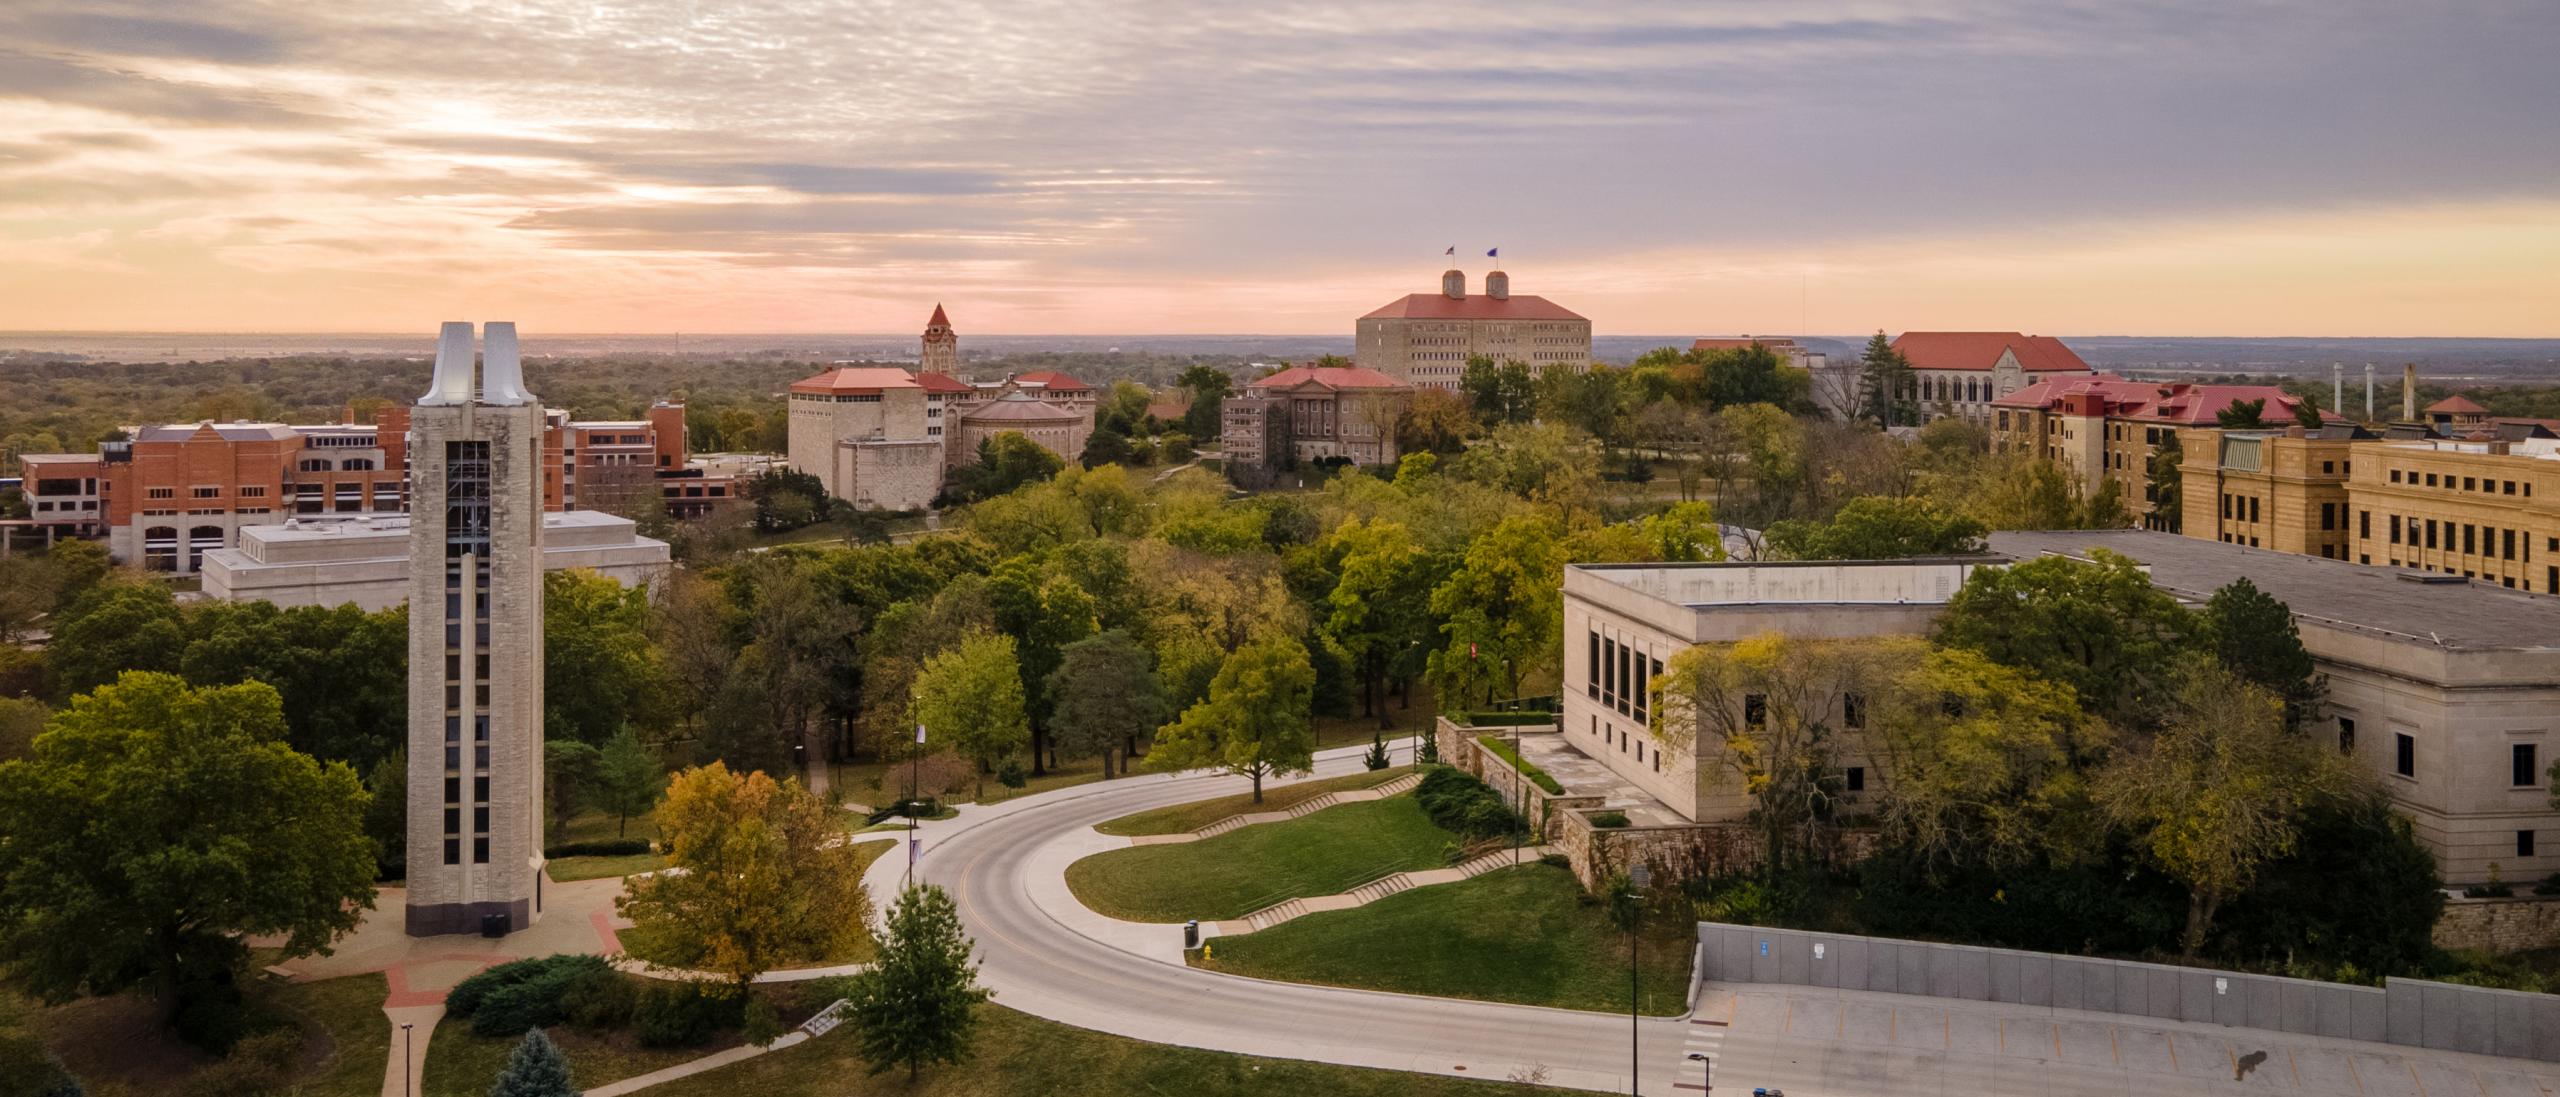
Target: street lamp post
[(404, 1057), (1706, 1070), (1637, 878), (1519, 790)]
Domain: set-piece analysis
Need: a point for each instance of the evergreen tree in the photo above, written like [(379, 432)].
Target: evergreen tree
[(535, 1069), (1884, 375), (2254, 636), (917, 1004), (628, 779)]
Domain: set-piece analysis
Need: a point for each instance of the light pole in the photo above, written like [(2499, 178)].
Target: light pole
[(404, 1058), (1637, 878), (1706, 1070), (1519, 791)]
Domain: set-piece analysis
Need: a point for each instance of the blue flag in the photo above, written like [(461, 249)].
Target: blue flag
[(1493, 253), (1453, 250)]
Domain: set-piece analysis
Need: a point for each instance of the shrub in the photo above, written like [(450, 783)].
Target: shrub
[(1010, 775), (1555, 860), (1509, 719), (1462, 804), (609, 847), (1376, 759), (685, 1015), (258, 1065), (2550, 885), (1609, 819), (601, 1000), (512, 997), (27, 1068)]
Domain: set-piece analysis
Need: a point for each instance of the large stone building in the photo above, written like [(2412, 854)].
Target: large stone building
[(1960, 373), (475, 644), (365, 562), (883, 438), (2450, 693), (1307, 414), (1426, 338), (2107, 428), (167, 495)]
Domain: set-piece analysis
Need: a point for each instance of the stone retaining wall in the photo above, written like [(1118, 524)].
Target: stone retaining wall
[(2500, 925)]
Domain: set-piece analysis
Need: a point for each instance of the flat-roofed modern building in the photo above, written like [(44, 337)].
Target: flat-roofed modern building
[(2449, 689), (365, 561)]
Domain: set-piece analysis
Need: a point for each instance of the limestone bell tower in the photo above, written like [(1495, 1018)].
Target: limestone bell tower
[(941, 347), (1453, 284), (475, 642)]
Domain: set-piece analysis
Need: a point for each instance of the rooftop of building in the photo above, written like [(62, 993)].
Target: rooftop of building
[(1927, 580), (943, 382), (238, 430), (1980, 350), (2540, 449), (1474, 306), (2456, 405), (1051, 381), (1016, 407), (2395, 603), (1332, 377), (856, 381), (58, 458), (2177, 402)]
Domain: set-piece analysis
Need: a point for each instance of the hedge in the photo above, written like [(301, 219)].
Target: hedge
[(508, 999), (1462, 804), (1528, 769), (607, 847), (1609, 820), (1509, 719)]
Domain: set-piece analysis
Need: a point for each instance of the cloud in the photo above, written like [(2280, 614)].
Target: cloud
[(140, 36), (121, 91)]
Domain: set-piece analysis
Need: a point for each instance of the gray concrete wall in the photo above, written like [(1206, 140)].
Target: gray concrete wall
[(2411, 1012)]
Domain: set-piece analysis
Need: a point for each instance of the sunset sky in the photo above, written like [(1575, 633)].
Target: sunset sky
[(2328, 167)]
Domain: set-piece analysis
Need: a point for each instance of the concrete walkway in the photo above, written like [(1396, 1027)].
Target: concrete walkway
[(689, 1068), (1299, 811)]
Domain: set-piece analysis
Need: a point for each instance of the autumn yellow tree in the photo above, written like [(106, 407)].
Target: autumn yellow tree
[(1985, 762), (759, 879)]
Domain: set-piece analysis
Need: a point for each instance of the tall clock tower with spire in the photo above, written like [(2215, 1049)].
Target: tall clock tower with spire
[(941, 347)]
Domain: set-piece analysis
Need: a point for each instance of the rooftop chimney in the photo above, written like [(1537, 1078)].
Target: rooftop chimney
[(1497, 285), (1453, 284)]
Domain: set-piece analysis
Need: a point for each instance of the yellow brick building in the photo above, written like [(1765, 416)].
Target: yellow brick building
[(2487, 510), (2284, 490)]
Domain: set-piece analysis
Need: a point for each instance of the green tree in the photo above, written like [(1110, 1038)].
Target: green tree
[(764, 880), (21, 720), (1104, 698), (2097, 626), (1877, 527), (918, 1004), (1380, 606), (2253, 634), (1106, 447), (599, 668), (113, 629), (1502, 610), (1254, 723), (1209, 387), (1987, 763), (2167, 465), (1434, 420), (2220, 791), (2306, 413), (341, 671), (1043, 614), (1683, 533), (535, 1069), (1884, 384), (386, 815), (1005, 462), (569, 772), (970, 700), (2242, 415), (1754, 374), (628, 779), (158, 827)]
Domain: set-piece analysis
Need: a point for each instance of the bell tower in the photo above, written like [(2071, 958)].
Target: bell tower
[(941, 352)]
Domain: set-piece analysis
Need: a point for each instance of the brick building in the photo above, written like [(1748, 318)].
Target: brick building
[(2107, 428), (1309, 414), (1961, 373), (1426, 338)]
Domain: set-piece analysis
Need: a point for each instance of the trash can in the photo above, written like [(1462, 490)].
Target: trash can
[(494, 925), (1191, 934)]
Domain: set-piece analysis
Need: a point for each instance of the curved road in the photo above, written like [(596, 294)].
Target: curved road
[(1043, 966)]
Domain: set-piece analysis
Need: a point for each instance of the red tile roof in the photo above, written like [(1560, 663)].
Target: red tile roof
[(1053, 381), (1980, 350), (1332, 377), (943, 382), (938, 320), (856, 380), (2455, 405), (2178, 403), (1438, 306)]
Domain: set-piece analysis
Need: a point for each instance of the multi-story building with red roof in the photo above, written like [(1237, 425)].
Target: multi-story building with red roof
[(1311, 414), (1960, 373), (883, 438), (2106, 428), (1426, 338)]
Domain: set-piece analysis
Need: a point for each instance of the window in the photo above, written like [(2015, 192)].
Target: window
[(479, 851), (2405, 760), (1755, 709), (1853, 710), (452, 820), (2507, 540), (2328, 516), (1591, 667), (252, 491), (1626, 679), (1609, 672), (2525, 764), (2431, 479), (2253, 508), (453, 851), (2395, 529), (161, 493), (2346, 735), (452, 789), (2364, 525), (2524, 843), (1856, 780), (2470, 483), (205, 493), (2431, 533)]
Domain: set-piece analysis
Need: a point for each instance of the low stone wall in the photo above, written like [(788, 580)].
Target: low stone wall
[(2500, 925), (1459, 748), (2410, 1012)]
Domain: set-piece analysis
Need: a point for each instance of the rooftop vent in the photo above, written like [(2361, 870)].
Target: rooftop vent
[(2432, 579)]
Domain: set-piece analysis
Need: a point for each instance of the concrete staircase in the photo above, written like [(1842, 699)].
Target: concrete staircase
[(1374, 890)]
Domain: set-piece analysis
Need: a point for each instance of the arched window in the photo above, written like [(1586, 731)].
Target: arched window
[(160, 548), (200, 540), (314, 464)]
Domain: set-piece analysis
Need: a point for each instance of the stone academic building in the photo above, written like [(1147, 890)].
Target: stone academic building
[(1426, 338)]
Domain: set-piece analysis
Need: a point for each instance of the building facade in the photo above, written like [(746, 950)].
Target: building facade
[(167, 495), (883, 438), (1306, 414), (365, 562), (2105, 428), (1961, 373), (475, 644), (1426, 338), (2284, 490)]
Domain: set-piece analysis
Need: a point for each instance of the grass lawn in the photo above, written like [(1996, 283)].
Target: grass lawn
[(650, 943), (596, 826), (1241, 871), (117, 1047), (1512, 935), (566, 869), (1018, 1055), (460, 1064), (1200, 813)]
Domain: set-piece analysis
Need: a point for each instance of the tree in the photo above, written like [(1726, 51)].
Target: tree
[(1986, 761), (1103, 695), (628, 780), (21, 720), (1005, 461), (1209, 387), (2306, 413), (2097, 626), (2253, 634), (1754, 374), (2220, 791), (1503, 610), (799, 649), (113, 629), (1884, 378), (1876, 527), (2167, 465), (1499, 393), (599, 670), (1105, 447), (386, 815), (918, 1004), (1380, 606), (1254, 723), (1434, 420), (1763, 714), (2242, 415), (1042, 614), (535, 1069), (569, 771), (1683, 533), (762, 880), (970, 699), (157, 827)]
